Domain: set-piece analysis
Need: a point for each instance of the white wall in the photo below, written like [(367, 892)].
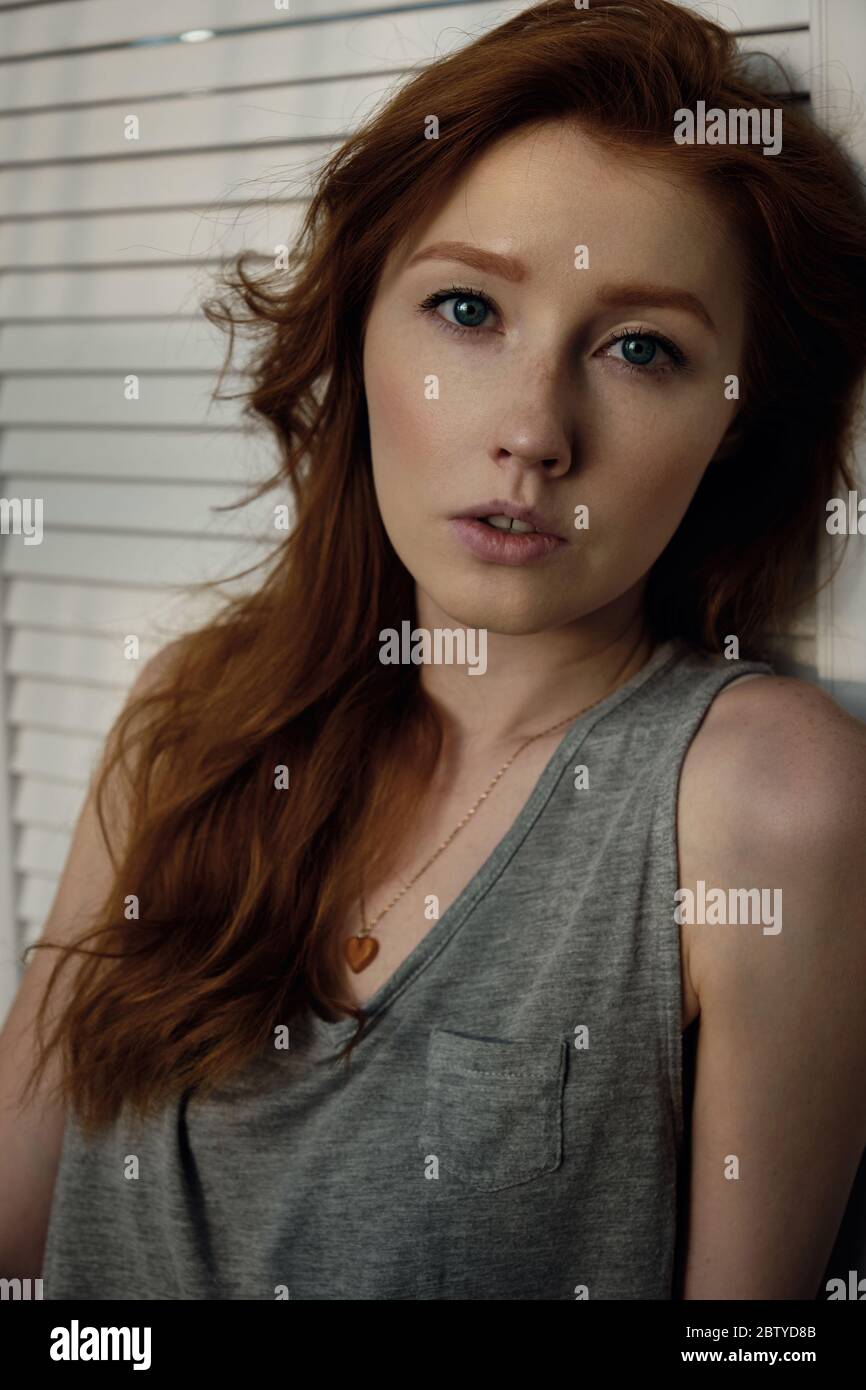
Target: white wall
[(106, 245)]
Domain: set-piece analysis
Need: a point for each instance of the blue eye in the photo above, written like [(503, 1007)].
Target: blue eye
[(469, 307), (641, 349), (469, 310)]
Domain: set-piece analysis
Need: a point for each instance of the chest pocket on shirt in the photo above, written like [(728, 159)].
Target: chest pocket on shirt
[(492, 1113)]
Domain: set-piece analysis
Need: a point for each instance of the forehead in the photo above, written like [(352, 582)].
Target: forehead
[(542, 190)]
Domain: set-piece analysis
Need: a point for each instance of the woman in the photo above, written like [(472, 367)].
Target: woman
[(384, 990)]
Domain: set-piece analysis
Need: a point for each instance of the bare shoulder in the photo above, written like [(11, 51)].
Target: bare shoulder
[(773, 794), (773, 746)]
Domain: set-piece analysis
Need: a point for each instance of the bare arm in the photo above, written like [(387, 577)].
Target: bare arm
[(31, 1134), (776, 798)]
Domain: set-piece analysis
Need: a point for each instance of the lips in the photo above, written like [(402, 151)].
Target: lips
[(499, 547), (501, 509)]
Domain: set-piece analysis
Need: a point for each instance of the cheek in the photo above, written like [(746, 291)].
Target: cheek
[(402, 442), (401, 417), (674, 416), (418, 439), (642, 466)]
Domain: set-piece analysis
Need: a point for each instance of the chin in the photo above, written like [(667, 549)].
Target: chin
[(510, 615)]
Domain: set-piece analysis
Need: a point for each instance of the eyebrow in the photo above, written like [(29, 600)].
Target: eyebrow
[(659, 296), (494, 262), (612, 296)]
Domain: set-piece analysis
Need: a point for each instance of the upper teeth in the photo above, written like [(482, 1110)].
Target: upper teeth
[(508, 523)]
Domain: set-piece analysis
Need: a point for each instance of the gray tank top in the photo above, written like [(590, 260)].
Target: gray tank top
[(511, 1124)]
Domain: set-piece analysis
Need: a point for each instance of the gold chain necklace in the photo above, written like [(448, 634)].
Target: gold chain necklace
[(361, 950)]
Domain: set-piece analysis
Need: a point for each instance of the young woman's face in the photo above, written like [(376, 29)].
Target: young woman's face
[(547, 385)]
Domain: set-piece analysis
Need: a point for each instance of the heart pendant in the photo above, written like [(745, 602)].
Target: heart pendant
[(360, 950)]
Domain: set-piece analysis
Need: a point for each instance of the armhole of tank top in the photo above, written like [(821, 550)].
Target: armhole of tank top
[(743, 676), (664, 840)]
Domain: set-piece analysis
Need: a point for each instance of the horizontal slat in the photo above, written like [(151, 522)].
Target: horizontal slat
[(290, 53), (43, 28), (141, 237), (74, 656), (151, 560), (68, 757), (222, 176), (184, 509), (79, 606), (166, 345), (99, 400), (42, 801), (196, 456), (301, 111), (62, 704), (103, 610), (111, 293)]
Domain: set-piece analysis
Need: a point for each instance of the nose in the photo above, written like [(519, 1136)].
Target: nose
[(533, 433)]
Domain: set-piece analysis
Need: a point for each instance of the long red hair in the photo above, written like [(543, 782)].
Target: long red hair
[(243, 888)]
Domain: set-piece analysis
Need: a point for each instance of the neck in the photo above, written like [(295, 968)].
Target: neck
[(532, 681)]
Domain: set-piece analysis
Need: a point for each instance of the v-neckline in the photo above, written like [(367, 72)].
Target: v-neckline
[(338, 1032)]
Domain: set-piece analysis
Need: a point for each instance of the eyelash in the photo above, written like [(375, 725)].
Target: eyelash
[(679, 360)]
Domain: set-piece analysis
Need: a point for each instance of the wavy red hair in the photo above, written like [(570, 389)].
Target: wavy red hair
[(243, 889)]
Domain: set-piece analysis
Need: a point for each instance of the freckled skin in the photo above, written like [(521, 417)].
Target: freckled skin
[(532, 403)]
